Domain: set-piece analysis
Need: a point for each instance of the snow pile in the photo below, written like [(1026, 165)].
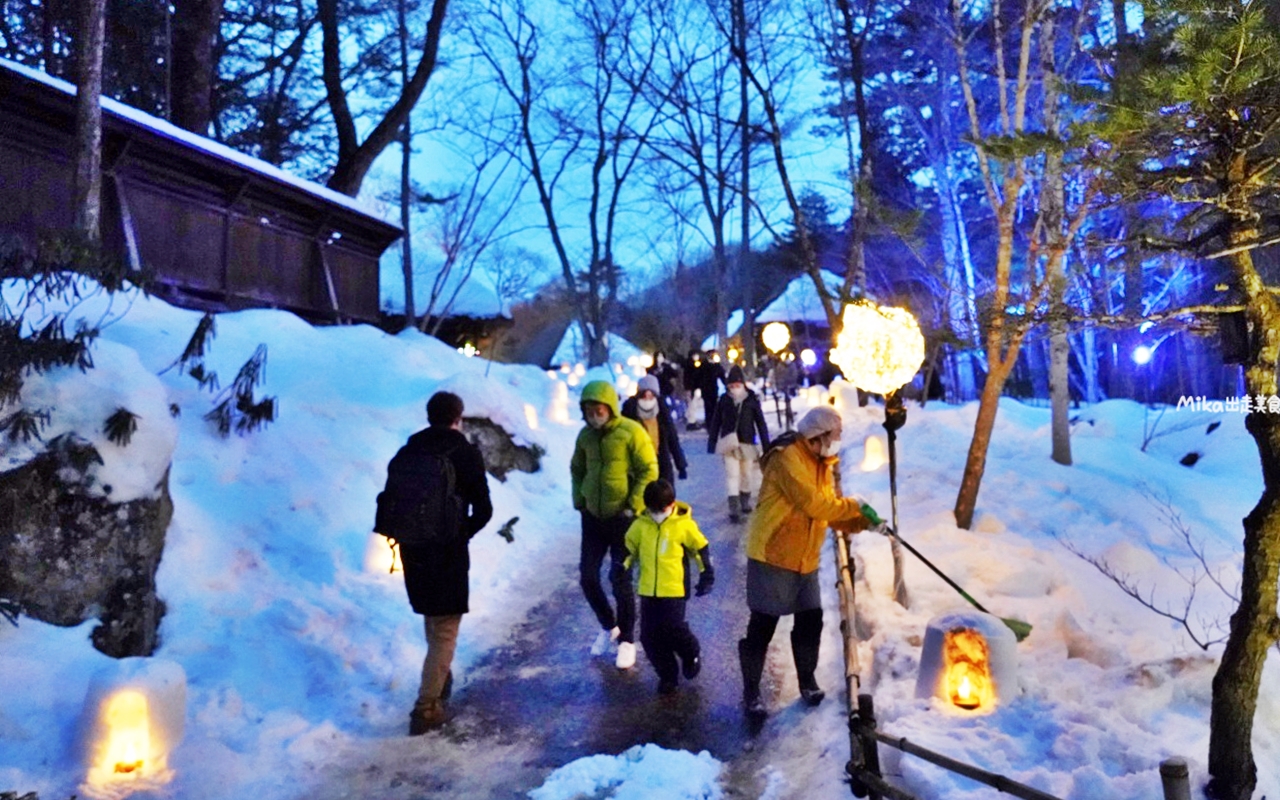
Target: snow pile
[(643, 772), (1109, 687), (80, 403), (290, 645)]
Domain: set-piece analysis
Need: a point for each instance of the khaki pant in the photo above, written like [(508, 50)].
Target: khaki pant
[(442, 640)]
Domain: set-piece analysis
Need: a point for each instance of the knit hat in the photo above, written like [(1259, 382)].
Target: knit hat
[(819, 420), (735, 375), (648, 383)]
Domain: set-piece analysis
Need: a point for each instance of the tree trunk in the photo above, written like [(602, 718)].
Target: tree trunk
[(745, 284), (406, 143), (976, 462), (355, 157), (195, 28), (1254, 625), (87, 162)]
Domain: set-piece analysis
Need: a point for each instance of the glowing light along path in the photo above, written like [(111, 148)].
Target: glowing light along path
[(879, 348)]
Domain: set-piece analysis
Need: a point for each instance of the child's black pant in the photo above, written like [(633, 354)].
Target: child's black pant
[(664, 635)]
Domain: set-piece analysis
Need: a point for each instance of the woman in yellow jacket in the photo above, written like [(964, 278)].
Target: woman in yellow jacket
[(661, 540), (797, 504)]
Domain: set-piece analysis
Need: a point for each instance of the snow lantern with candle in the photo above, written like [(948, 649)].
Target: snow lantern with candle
[(968, 662), (134, 716)]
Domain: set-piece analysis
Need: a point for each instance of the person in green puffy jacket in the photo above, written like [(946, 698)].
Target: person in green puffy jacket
[(613, 460), (661, 540)]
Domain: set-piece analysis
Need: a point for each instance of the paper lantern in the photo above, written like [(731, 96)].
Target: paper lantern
[(134, 716), (968, 661), (879, 348), (776, 336)]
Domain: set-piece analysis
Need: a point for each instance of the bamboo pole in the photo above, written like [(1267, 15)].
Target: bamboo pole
[(1176, 779)]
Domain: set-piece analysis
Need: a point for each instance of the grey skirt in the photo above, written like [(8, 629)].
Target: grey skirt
[(779, 592)]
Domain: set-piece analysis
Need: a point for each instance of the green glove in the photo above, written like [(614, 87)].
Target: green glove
[(870, 514)]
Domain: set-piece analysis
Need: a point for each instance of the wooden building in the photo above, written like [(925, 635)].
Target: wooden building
[(217, 229)]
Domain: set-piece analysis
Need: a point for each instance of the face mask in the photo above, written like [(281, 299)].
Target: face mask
[(648, 405), (597, 421), (660, 516), (832, 448), (738, 393)]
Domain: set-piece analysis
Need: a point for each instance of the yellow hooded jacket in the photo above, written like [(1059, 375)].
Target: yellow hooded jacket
[(661, 549), (797, 501)]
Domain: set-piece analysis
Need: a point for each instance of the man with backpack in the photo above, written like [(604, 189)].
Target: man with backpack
[(436, 499)]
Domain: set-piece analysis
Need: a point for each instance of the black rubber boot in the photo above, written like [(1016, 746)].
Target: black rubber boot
[(806, 658), (752, 663), (744, 502), (735, 509)]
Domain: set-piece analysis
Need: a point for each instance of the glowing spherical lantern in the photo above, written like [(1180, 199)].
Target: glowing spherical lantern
[(808, 357), (776, 336), (733, 354), (879, 348)]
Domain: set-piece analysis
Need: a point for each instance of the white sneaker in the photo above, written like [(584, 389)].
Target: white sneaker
[(626, 655), (604, 639)]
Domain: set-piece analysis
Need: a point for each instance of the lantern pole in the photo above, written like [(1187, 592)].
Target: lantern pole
[(895, 416)]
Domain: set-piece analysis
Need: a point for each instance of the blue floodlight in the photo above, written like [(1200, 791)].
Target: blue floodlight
[(1142, 354)]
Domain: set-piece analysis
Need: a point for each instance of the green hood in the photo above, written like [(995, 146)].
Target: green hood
[(602, 392)]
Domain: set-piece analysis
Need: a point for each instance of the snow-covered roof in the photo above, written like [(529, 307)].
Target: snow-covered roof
[(736, 319), (476, 297), (572, 349), (216, 149), (799, 302)]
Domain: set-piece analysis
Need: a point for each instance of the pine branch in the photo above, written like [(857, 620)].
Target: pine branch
[(121, 426)]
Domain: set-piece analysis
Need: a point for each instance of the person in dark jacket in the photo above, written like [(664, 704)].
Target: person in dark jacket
[(435, 576), (710, 375), (650, 409), (732, 433)]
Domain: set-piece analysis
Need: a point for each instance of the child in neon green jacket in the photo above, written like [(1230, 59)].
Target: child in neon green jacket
[(660, 540)]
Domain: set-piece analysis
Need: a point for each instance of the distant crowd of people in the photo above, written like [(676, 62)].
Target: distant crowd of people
[(626, 462)]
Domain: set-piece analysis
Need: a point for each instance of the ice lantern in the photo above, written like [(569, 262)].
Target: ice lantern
[(969, 661), (134, 716)]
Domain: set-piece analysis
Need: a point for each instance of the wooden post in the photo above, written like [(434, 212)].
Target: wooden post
[(1176, 778), (866, 734)]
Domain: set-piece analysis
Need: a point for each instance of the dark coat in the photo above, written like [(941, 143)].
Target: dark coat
[(436, 576), (746, 419), (710, 376), (668, 440)]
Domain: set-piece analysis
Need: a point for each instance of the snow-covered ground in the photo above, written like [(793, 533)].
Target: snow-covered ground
[(297, 647)]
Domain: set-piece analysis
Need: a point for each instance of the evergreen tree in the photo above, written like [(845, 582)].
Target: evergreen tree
[(1198, 121)]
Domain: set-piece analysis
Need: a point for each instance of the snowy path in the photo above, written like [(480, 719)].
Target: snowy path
[(547, 688), (543, 701)]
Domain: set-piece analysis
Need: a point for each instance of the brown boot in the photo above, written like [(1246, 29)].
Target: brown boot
[(426, 717)]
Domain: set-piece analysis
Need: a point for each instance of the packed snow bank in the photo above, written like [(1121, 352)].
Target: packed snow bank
[(641, 773), (80, 403), (1108, 688), (290, 643)]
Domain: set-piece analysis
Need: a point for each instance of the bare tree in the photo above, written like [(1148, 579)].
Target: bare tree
[(1011, 153), (354, 156), (767, 65), (607, 57), (695, 143)]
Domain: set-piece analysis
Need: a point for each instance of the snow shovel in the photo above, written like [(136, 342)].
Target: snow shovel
[(1021, 630)]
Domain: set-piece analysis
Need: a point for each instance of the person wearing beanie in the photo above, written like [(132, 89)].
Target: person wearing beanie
[(738, 433), (613, 460), (649, 407), (797, 504)]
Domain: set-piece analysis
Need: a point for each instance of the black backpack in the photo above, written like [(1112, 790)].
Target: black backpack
[(420, 504)]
